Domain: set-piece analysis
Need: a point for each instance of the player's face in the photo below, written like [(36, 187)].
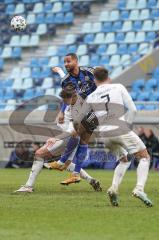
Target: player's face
[(70, 63)]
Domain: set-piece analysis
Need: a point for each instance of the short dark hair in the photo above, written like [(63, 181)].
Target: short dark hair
[(73, 55), (100, 74), (68, 91)]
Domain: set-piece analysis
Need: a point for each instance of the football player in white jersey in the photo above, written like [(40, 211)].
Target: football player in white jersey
[(108, 102)]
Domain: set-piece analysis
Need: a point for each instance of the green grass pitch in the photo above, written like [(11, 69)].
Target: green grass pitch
[(75, 212)]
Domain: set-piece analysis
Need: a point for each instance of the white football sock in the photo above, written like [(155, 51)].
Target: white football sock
[(142, 173), (83, 173), (35, 170), (119, 173)]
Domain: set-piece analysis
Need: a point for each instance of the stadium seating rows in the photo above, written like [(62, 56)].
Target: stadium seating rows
[(116, 40)]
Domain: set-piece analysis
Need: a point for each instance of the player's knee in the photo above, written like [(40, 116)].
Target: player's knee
[(123, 159), (143, 154), (38, 153)]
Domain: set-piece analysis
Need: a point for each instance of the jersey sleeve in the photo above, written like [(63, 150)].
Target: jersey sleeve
[(129, 104)]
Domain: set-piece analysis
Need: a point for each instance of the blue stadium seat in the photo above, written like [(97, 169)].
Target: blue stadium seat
[(49, 18), (137, 25), (133, 95), (154, 96), (47, 83), (35, 73), (7, 52), (144, 14), (62, 50), (15, 41), (109, 38), (46, 72), (112, 49), (10, 9), (104, 16), (141, 4), (31, 18), (67, 7), (147, 25), (149, 107), (72, 48), (143, 96), (143, 48), (34, 41), (40, 18), (17, 84), (26, 72), (121, 4), (38, 7), (104, 60), (9, 1), (138, 85), (16, 53), (124, 15), (1, 94), (151, 3), (68, 19), (132, 48), (114, 15), (131, 4), (99, 38), (15, 73), (47, 7), (42, 29), (151, 84), (9, 94), (155, 25), (39, 92), (125, 60), (96, 27), (101, 50), (8, 83), (150, 36), (122, 49), (24, 41), (81, 50), (34, 62), (106, 27), (155, 13), (120, 37), (129, 37), (88, 38), (19, 9), (1, 64), (140, 37), (116, 26), (127, 26), (11, 105), (59, 18), (52, 51), (86, 28), (28, 94), (54, 61), (84, 60), (94, 61), (43, 61), (28, 83), (114, 60), (57, 7), (135, 58), (134, 15), (155, 73)]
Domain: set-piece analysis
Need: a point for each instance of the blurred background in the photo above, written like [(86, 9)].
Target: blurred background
[(122, 35)]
